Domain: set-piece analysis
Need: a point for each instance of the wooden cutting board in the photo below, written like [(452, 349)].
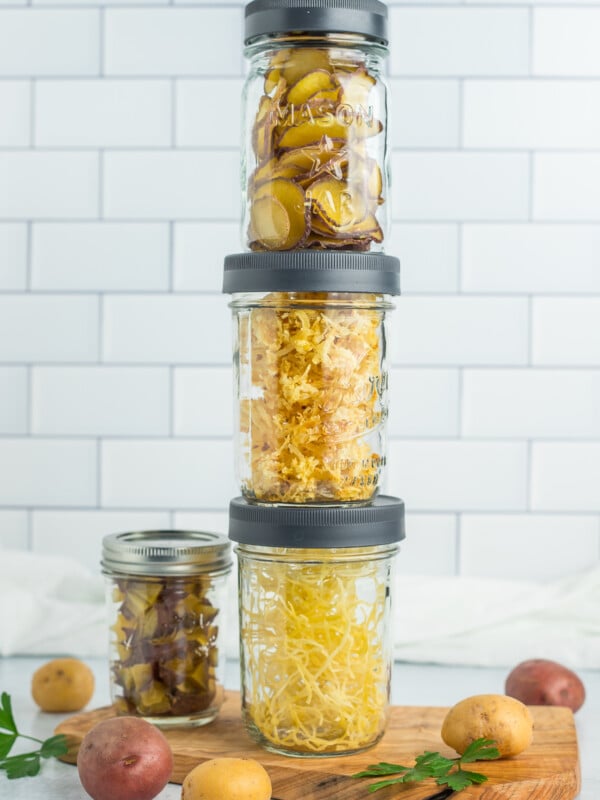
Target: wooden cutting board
[(548, 770)]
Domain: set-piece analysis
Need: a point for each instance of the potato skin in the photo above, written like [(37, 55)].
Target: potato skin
[(227, 779), (125, 758), (540, 682), (489, 716), (63, 684)]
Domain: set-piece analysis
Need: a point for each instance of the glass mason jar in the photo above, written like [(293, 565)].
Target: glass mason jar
[(315, 163), (310, 376), (315, 632), (166, 593)]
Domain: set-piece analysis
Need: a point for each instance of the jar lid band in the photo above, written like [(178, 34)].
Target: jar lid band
[(311, 271), (366, 17), (379, 523), (158, 553)]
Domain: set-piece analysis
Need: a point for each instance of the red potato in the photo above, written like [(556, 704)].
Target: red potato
[(125, 758), (539, 682)]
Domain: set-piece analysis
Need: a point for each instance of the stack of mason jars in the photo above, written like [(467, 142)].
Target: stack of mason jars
[(310, 298)]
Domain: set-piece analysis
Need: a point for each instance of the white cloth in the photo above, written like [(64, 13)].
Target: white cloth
[(483, 622), (51, 605)]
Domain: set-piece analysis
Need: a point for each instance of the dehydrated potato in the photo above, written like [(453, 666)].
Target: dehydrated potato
[(291, 197), (309, 85), (336, 202), (299, 61), (311, 135), (270, 223)]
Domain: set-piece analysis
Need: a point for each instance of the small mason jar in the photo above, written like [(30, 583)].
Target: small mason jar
[(315, 163), (315, 633), (167, 596), (310, 374)]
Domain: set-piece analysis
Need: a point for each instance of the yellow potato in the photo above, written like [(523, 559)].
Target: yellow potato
[(489, 716), (64, 684), (227, 779)]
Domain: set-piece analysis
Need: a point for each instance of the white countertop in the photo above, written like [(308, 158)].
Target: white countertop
[(413, 684)]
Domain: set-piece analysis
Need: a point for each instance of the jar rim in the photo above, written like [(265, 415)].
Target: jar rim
[(165, 552)]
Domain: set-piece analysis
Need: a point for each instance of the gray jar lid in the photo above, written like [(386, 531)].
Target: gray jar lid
[(311, 271), (366, 17), (379, 523), (166, 553)]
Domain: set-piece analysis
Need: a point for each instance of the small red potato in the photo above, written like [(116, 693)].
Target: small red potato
[(227, 779), (539, 682), (63, 684), (125, 758)]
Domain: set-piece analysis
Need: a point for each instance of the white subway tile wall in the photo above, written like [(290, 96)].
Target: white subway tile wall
[(120, 197)]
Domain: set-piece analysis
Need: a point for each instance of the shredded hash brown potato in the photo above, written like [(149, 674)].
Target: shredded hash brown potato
[(312, 419), (316, 671)]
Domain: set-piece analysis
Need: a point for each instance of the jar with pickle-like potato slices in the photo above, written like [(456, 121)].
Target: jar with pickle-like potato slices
[(310, 331), (167, 594), (315, 167)]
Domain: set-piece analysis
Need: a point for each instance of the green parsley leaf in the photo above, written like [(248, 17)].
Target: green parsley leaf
[(445, 771), (480, 750), (25, 764), (383, 768), (54, 746), (6, 742), (382, 784), (7, 721)]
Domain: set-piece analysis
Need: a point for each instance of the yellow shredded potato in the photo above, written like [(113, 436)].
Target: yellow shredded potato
[(315, 664), (311, 418)]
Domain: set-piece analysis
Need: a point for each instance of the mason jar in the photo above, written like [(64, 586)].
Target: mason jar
[(310, 374), (315, 623), (167, 595), (315, 160)]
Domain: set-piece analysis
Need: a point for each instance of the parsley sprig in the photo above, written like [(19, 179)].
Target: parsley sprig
[(445, 771), (25, 764)]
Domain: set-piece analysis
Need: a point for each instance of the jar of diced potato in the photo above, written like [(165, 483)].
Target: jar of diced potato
[(167, 599), (311, 373), (315, 170)]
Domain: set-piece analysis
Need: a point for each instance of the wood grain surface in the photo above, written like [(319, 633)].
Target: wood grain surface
[(548, 770)]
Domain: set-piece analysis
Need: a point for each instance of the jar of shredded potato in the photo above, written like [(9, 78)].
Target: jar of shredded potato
[(311, 378), (315, 167), (166, 593), (315, 634)]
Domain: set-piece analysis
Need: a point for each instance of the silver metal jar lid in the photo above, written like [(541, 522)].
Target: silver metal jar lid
[(157, 553)]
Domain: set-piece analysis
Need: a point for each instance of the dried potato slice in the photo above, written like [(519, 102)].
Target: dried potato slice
[(310, 159), (302, 60), (272, 80), (291, 197), (368, 228), (356, 88), (269, 223), (274, 169), (310, 84), (338, 203), (312, 132), (316, 240)]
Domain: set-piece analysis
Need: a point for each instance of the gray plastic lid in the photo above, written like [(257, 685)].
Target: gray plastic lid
[(158, 553), (379, 523), (366, 17), (311, 271)]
